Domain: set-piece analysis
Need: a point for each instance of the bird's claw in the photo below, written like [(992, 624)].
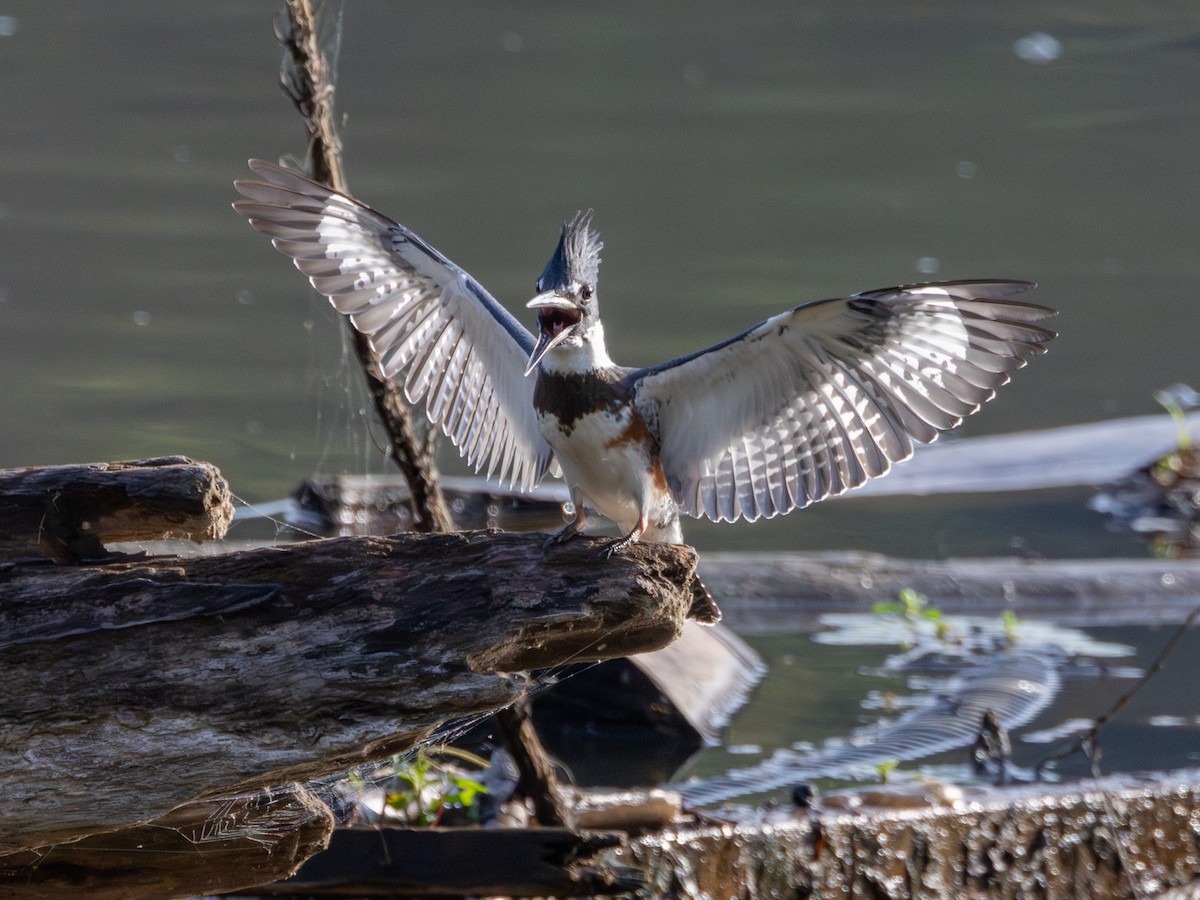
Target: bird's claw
[(560, 537), (614, 547)]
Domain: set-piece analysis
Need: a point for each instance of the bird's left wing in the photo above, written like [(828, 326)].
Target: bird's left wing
[(818, 400), (429, 321)]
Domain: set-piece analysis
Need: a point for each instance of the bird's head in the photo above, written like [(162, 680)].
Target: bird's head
[(567, 308)]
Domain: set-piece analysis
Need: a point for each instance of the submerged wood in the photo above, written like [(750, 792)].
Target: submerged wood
[(130, 688), (70, 512), (766, 592), (1083, 455), (1117, 837), (381, 504)]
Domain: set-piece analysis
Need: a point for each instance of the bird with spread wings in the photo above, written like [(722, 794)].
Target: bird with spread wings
[(806, 405)]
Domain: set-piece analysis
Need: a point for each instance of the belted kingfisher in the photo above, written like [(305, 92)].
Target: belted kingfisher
[(808, 404)]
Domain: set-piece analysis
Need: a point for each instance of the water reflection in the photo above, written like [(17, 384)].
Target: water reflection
[(839, 730)]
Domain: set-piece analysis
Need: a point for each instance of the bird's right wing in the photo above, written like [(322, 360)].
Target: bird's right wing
[(815, 401), (458, 349)]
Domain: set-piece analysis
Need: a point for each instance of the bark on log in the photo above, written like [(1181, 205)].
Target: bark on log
[(130, 688), (70, 512)]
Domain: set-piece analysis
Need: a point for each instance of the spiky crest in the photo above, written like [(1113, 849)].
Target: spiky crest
[(576, 258)]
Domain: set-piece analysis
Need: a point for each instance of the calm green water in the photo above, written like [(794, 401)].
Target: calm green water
[(740, 158)]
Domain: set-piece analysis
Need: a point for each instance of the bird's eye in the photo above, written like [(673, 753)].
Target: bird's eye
[(586, 292)]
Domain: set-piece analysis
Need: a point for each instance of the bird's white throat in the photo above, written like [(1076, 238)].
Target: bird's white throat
[(583, 352)]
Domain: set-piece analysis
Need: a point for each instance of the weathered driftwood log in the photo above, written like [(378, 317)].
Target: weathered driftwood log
[(71, 512), (130, 688), (203, 847), (1118, 837)]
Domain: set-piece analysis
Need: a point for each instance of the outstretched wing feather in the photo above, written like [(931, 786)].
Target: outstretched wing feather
[(431, 324), (820, 399)]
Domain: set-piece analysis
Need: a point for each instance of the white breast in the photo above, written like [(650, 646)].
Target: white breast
[(605, 459)]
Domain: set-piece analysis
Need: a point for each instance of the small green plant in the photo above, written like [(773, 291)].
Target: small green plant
[(909, 605), (426, 787), (1178, 400), (885, 768), (913, 607), (1009, 622)]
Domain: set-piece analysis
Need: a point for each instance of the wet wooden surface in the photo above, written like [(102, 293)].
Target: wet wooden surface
[(459, 862), (203, 847)]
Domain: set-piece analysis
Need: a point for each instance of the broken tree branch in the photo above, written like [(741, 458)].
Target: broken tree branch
[(308, 80), (70, 512)]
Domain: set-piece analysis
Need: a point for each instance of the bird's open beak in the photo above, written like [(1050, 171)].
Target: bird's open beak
[(557, 318)]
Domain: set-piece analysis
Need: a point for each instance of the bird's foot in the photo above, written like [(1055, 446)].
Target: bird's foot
[(613, 547), (561, 537)]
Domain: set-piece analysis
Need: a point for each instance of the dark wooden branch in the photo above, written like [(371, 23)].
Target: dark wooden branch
[(71, 512), (537, 780), (309, 80), (130, 688)]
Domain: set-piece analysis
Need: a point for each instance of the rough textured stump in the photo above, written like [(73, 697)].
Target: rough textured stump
[(128, 689), (1116, 838), (70, 512)]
